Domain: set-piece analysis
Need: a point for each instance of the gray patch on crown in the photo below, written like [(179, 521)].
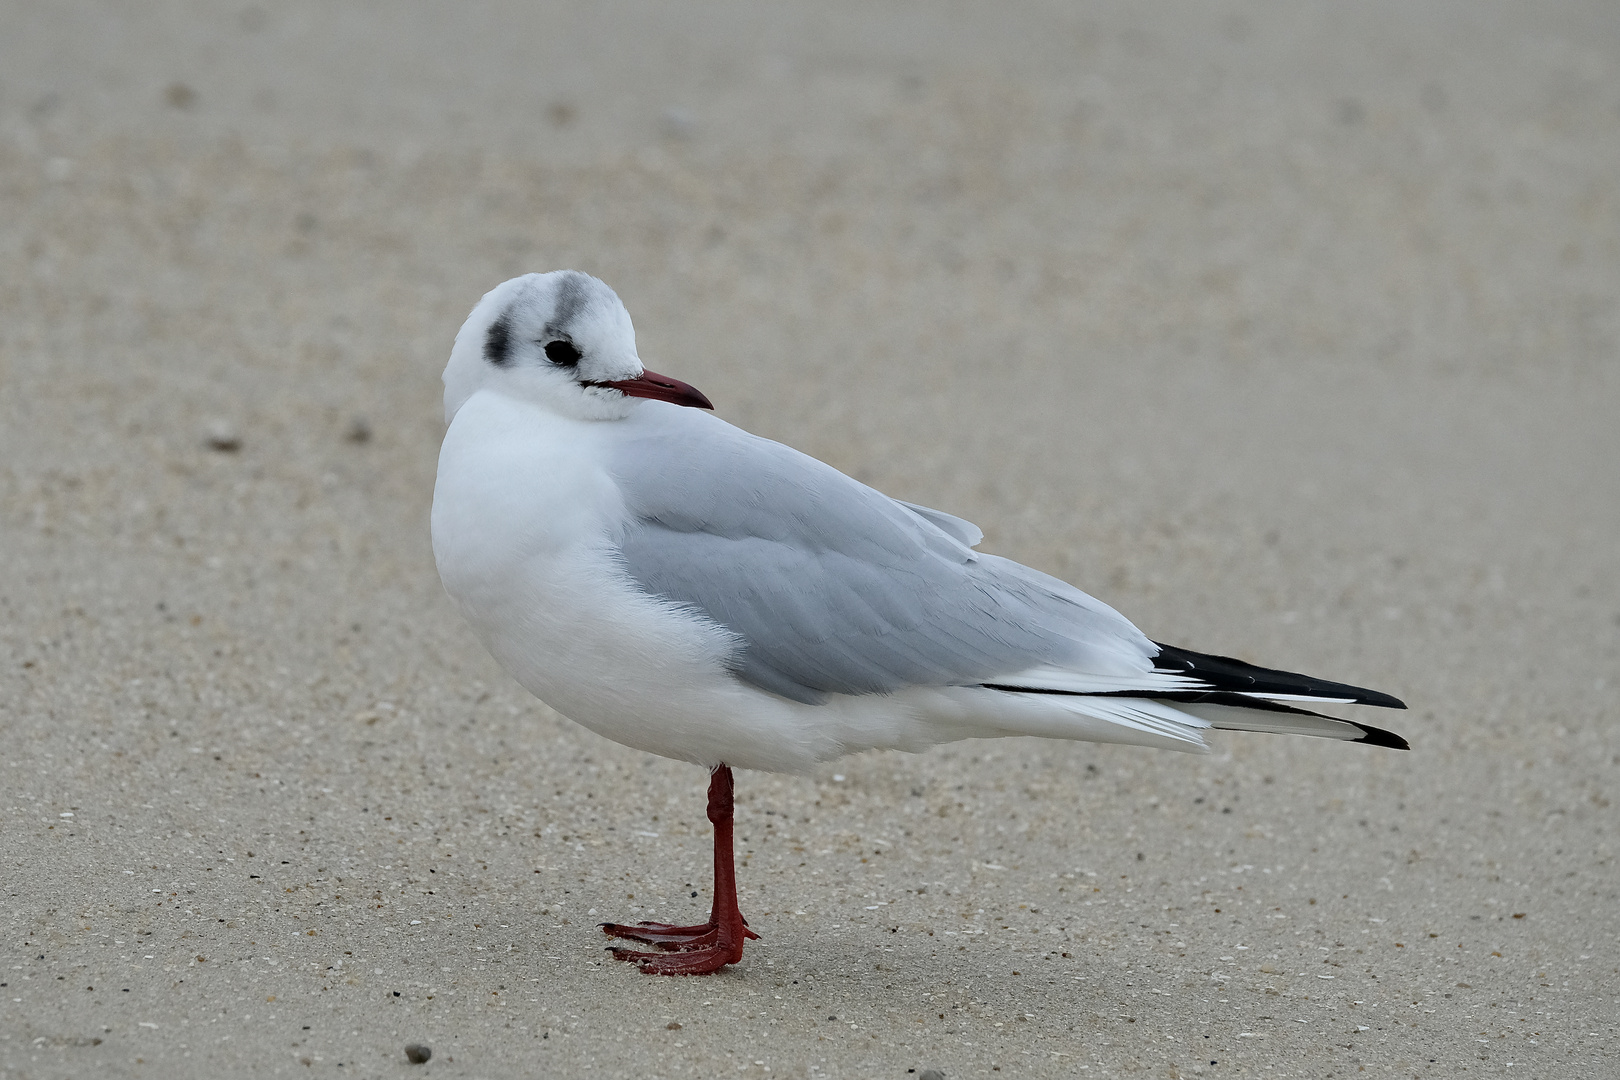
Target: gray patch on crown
[(573, 296)]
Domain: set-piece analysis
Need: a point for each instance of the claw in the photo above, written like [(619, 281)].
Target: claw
[(693, 962)]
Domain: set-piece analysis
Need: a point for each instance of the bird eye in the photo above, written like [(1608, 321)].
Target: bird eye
[(562, 353)]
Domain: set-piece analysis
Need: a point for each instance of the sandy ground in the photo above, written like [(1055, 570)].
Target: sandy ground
[(1291, 330)]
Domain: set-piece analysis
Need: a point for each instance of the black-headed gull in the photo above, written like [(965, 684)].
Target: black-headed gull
[(683, 587)]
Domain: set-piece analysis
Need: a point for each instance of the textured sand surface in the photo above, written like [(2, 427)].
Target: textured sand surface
[(1290, 329)]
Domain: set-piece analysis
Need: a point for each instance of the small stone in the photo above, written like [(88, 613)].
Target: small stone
[(930, 1074), (180, 96), (359, 431), (672, 1026), (417, 1054), (222, 436)]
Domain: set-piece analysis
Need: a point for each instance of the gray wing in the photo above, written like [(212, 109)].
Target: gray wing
[(833, 587)]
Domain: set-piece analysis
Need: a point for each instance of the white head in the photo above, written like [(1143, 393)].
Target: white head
[(561, 339)]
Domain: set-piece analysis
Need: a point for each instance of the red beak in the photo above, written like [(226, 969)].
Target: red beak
[(650, 384)]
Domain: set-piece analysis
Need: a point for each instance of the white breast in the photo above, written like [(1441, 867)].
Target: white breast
[(524, 519)]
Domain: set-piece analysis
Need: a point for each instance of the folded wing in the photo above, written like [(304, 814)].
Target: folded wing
[(832, 587)]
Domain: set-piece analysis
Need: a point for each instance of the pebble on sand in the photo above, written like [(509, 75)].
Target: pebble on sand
[(222, 436), (417, 1054)]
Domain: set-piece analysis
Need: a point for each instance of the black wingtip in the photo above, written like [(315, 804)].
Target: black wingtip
[(1379, 737), (1231, 674)]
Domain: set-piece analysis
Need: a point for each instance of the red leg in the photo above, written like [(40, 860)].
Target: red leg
[(710, 946)]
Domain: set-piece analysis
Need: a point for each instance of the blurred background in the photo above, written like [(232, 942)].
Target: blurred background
[(1289, 329)]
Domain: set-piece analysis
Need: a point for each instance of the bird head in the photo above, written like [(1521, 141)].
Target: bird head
[(563, 340)]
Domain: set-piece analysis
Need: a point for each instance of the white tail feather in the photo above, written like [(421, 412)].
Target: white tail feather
[(1137, 721)]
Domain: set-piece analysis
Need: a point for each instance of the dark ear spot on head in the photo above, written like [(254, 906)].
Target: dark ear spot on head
[(498, 341)]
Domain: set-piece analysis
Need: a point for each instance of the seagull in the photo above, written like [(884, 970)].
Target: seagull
[(686, 588)]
